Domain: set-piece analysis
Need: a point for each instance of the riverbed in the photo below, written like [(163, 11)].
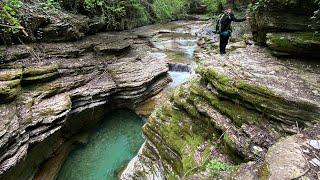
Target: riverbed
[(116, 140)]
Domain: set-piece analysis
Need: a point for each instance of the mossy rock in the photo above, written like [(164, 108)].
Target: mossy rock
[(263, 99), (10, 74), (176, 132), (9, 90), (35, 71), (294, 44), (40, 78)]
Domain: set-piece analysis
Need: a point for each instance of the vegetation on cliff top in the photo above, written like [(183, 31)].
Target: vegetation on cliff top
[(112, 12), (9, 19)]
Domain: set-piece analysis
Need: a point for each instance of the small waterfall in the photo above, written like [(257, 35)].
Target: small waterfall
[(179, 67)]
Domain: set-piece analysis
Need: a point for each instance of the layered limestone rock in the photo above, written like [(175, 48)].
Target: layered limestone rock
[(290, 17), (292, 157), (281, 16), (50, 91), (294, 44), (237, 107)]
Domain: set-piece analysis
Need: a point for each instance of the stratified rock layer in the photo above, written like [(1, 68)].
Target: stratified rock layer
[(238, 107), (50, 91), (294, 44), (294, 33)]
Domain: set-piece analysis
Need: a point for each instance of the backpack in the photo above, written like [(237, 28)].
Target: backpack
[(218, 25), (219, 22)]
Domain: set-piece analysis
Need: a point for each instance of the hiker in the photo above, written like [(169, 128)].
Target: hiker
[(224, 27)]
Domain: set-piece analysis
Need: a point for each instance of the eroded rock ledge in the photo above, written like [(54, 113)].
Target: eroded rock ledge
[(287, 28), (50, 91), (238, 107)]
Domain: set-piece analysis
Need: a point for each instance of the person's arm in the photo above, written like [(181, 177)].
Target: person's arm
[(233, 18)]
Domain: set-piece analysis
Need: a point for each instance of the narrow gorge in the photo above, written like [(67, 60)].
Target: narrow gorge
[(132, 98)]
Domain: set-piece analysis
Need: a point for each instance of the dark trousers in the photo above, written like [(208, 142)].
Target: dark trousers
[(223, 43)]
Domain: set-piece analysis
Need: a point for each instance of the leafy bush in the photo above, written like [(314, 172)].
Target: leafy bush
[(170, 9), (136, 10), (215, 166), (114, 10), (214, 6), (9, 19)]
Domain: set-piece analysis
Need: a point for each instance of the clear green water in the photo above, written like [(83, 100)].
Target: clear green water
[(111, 145)]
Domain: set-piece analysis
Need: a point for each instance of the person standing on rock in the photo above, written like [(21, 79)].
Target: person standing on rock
[(224, 28)]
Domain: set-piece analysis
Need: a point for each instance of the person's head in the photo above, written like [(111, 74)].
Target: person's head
[(229, 10)]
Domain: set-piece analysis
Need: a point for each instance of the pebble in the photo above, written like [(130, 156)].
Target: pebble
[(315, 144), (306, 151)]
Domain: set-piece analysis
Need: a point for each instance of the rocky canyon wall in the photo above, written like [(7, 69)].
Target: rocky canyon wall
[(50, 91)]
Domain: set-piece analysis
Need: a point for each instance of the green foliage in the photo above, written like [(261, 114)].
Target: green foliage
[(214, 7), (8, 15), (115, 10), (215, 166), (170, 9), (136, 10), (48, 5)]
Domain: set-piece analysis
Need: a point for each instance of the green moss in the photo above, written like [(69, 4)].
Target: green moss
[(9, 90), (228, 140), (236, 112), (259, 90), (213, 74), (180, 133), (261, 98), (264, 172), (12, 83), (179, 96), (31, 71), (221, 82), (40, 78), (298, 42), (10, 74)]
